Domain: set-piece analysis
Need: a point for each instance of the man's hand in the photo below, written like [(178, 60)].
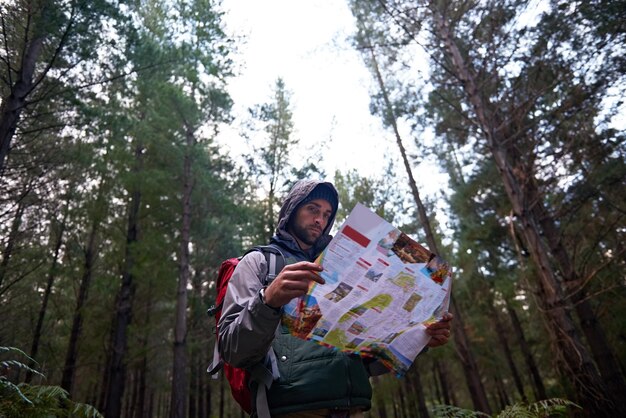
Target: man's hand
[(292, 282), (439, 331)]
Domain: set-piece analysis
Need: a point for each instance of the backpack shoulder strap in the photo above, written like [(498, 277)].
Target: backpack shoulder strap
[(275, 261)]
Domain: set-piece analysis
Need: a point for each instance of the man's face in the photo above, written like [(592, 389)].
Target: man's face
[(309, 222)]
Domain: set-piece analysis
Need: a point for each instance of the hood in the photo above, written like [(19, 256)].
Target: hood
[(296, 195)]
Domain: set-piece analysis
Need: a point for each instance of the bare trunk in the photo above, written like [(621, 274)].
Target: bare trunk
[(124, 306), (378, 398), (179, 379), (538, 386), (503, 398), (222, 397), (504, 343), (604, 357), (472, 375), (13, 104), (46, 296), (69, 370), (416, 384), (403, 401), (442, 371), (143, 369), (7, 252), (571, 353)]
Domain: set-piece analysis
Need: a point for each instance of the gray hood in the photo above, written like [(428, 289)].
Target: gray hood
[(296, 195)]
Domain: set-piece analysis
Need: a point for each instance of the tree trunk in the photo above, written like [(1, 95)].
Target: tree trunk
[(503, 398), (124, 305), (143, 369), (7, 252), (472, 375), (538, 386), (404, 406), (504, 343), (416, 383), (442, 372), (179, 379), (378, 398), (604, 357), (222, 397), (69, 370), (46, 296), (437, 397), (571, 353), (194, 389), (470, 368), (13, 104)]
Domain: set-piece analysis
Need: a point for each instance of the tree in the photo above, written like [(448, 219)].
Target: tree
[(513, 86), (43, 44), (390, 114), (273, 161)]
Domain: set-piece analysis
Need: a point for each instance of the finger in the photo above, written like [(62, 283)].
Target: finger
[(439, 325), (302, 275), (434, 342), (438, 331), (303, 265)]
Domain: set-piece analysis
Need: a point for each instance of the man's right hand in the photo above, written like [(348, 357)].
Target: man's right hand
[(292, 282)]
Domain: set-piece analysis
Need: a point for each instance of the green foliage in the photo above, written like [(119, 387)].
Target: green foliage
[(548, 408), (26, 401), (274, 163), (376, 193), (34, 401)]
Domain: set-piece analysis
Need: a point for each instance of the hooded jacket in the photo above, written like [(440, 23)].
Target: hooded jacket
[(309, 376)]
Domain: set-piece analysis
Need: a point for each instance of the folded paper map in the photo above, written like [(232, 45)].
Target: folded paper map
[(382, 289)]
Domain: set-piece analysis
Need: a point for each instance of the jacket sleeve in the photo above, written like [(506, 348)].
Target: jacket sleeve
[(247, 326)]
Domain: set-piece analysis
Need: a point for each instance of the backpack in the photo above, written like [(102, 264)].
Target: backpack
[(239, 379)]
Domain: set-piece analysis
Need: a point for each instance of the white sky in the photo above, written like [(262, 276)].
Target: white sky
[(306, 43)]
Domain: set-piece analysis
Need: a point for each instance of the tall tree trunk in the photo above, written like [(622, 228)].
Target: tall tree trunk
[(34, 349), (470, 368), (416, 383), (7, 252), (13, 104), (143, 368), (538, 386), (442, 371), (508, 355), (124, 304), (404, 407), (601, 350), (222, 397), (379, 398), (503, 398), (436, 385), (69, 370), (572, 354), (194, 387), (179, 380)]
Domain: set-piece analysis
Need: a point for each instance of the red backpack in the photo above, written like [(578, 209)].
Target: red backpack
[(239, 379)]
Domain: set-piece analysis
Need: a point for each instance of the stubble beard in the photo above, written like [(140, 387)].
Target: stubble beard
[(304, 234)]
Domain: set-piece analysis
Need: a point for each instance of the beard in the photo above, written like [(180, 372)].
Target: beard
[(305, 234)]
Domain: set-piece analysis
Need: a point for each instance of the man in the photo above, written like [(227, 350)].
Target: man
[(310, 380)]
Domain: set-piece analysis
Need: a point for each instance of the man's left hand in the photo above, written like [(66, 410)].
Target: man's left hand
[(439, 331)]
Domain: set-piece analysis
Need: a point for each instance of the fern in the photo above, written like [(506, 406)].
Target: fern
[(24, 400), (449, 411), (548, 408), (545, 408)]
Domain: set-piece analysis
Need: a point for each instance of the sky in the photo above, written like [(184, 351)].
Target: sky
[(307, 44)]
